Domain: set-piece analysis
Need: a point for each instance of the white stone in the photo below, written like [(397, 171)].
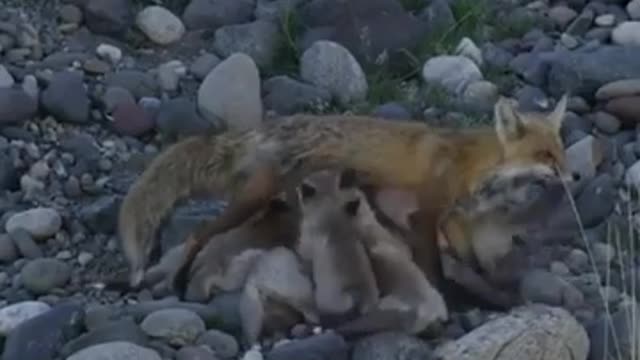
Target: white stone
[(231, 93), (109, 52), (626, 33), (160, 25), (15, 314)]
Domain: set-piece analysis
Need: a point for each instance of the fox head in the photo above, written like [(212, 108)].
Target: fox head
[(531, 142)]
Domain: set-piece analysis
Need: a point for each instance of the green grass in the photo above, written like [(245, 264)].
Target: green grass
[(287, 60)]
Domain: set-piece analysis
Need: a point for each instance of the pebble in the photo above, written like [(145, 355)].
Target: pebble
[(8, 251), (605, 20), (40, 276), (160, 25), (115, 350), (633, 9), (26, 244), (14, 314), (40, 222), (454, 73), (178, 327), (224, 345), (331, 66), (203, 65), (109, 52), (6, 80), (620, 88)]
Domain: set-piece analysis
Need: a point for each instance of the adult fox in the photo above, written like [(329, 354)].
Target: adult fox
[(247, 168)]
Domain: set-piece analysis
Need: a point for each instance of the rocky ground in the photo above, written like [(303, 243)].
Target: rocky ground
[(90, 90)]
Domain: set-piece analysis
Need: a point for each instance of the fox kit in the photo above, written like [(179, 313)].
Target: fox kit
[(223, 264), (248, 167), (405, 300), (344, 284), (277, 295)]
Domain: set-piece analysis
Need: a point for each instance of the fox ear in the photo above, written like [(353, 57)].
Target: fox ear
[(556, 117), (508, 124)]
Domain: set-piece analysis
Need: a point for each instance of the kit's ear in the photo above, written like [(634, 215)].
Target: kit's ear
[(351, 207)]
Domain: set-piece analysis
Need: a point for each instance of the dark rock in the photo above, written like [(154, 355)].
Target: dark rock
[(392, 111), (112, 17), (287, 96), (16, 106), (179, 116), (120, 330), (66, 98), (439, 16), (195, 353), (42, 275), (138, 83), (613, 334), (495, 56), (101, 215), (41, 337), (596, 202), (582, 23), (259, 39), (8, 173), (386, 26), (224, 345), (391, 345), (532, 67), (130, 119), (531, 98), (210, 314), (328, 346), (82, 146), (26, 244), (583, 72), (203, 65), (540, 286), (606, 122), (211, 14), (8, 251), (626, 109)]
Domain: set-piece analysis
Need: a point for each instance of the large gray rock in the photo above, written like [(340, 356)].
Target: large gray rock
[(115, 350), (534, 332), (331, 66), (258, 39), (583, 72), (231, 93)]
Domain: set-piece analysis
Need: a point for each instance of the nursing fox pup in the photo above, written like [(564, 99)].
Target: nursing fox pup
[(247, 168), (364, 276)]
